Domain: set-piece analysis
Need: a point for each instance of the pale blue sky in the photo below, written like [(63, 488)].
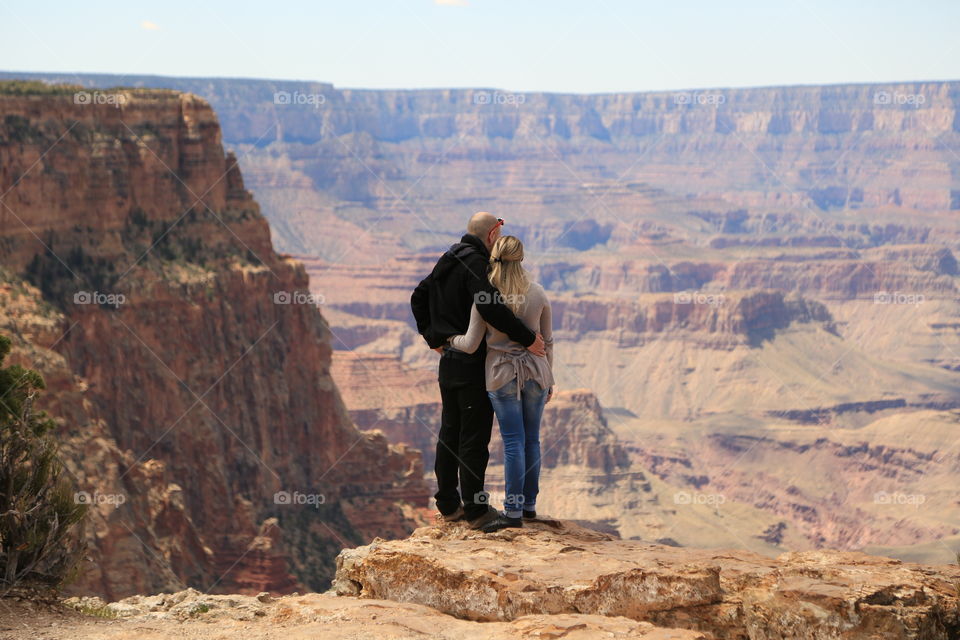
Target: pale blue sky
[(522, 45)]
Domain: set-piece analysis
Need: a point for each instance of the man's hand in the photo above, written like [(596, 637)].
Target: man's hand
[(549, 395), (538, 348)]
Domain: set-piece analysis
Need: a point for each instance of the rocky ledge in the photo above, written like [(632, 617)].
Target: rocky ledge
[(557, 568), (551, 579)]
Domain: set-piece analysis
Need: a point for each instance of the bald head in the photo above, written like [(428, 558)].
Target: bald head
[(480, 223)]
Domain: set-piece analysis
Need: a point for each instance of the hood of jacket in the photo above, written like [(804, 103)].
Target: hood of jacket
[(468, 244)]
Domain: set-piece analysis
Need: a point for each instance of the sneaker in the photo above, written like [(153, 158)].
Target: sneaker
[(456, 516), (489, 516), (502, 521), (529, 515)]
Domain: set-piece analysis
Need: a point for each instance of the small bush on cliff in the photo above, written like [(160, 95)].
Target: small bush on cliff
[(59, 279), (36, 87), (19, 129), (40, 521)]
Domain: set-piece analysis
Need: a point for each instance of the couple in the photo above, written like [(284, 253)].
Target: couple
[(492, 327)]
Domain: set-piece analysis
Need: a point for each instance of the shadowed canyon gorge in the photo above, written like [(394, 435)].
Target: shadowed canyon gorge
[(756, 315)]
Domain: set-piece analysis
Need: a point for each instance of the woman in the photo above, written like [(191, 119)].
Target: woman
[(519, 383)]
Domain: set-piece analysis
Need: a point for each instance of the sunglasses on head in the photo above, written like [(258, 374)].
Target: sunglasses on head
[(499, 223)]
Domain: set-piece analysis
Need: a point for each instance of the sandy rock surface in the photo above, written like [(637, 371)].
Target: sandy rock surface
[(554, 567)]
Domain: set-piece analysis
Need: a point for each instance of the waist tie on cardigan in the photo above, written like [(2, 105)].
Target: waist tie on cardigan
[(519, 371)]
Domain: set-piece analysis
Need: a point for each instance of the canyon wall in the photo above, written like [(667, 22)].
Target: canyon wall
[(190, 379), (354, 175)]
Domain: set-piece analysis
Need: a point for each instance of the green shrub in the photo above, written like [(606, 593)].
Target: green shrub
[(59, 279), (36, 87), (41, 538), (16, 128)]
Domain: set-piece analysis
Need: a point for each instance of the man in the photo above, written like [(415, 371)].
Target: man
[(441, 305)]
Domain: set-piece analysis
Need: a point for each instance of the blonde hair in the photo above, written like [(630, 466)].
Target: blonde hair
[(506, 272)]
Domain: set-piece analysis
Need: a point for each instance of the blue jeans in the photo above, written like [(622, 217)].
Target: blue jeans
[(520, 429)]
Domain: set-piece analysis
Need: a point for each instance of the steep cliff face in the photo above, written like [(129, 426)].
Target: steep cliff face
[(200, 361), (142, 537)]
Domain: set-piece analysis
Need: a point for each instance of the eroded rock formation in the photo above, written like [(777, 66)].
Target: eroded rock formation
[(552, 568), (191, 382)]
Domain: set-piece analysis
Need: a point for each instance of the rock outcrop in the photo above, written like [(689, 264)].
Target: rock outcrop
[(188, 368), (555, 568)]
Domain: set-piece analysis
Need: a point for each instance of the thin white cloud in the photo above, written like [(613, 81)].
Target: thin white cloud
[(149, 26), (451, 3)]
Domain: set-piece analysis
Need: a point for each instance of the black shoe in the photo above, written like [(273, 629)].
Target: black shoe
[(502, 521), (529, 515)]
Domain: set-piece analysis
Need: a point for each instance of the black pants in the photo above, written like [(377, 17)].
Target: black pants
[(462, 445)]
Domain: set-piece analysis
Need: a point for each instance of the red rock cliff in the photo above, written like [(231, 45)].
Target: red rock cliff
[(204, 397)]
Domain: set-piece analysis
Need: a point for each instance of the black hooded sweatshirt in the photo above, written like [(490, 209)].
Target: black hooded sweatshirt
[(441, 302)]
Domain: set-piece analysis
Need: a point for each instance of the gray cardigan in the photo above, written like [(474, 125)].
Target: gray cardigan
[(507, 359)]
